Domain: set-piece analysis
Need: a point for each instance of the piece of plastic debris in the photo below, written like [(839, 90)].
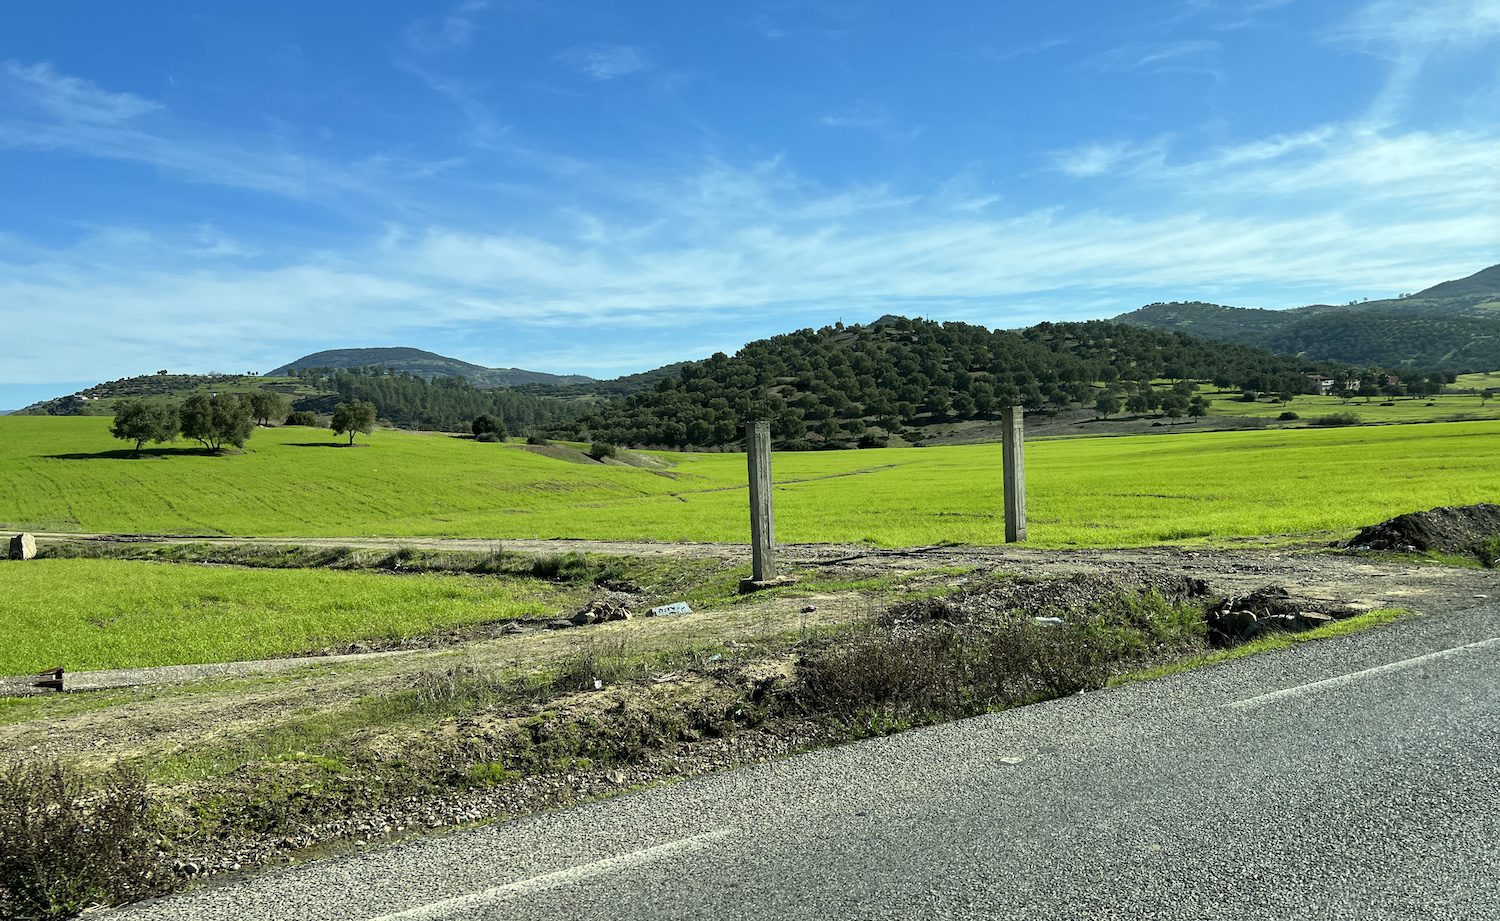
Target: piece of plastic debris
[(1048, 621), (598, 685), (668, 610)]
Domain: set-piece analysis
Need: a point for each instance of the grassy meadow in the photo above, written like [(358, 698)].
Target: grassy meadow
[(123, 614), (1443, 407), (67, 474)]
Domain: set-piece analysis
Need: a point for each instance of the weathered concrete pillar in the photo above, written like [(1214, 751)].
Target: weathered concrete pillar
[(1013, 441), (762, 519)]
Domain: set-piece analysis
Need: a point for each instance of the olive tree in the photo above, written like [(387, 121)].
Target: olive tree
[(266, 405), (141, 422), (352, 417), (218, 420)]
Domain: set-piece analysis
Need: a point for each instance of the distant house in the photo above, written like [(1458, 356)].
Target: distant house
[(1323, 386)]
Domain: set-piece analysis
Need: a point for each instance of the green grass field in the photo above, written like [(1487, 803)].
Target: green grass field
[(1444, 407), (1124, 491), (121, 614)]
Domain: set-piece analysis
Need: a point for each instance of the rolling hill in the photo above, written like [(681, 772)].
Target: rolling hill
[(1454, 325), (424, 364)]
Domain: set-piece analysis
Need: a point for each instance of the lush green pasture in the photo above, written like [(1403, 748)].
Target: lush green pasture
[(1082, 492), (86, 614), (1444, 407), (1478, 381)]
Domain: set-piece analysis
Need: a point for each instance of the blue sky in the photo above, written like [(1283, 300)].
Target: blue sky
[(602, 187)]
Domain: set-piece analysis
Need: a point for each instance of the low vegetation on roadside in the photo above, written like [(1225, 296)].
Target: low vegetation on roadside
[(548, 718)]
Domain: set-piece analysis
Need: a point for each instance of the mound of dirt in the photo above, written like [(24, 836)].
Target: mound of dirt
[(1470, 530)]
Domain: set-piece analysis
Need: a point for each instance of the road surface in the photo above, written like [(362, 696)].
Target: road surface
[(1353, 777)]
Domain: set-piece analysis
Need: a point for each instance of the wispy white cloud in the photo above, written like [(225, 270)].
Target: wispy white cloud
[(1099, 158), (1305, 217), (1407, 35), (66, 98), (608, 62), (1159, 56), (453, 31)]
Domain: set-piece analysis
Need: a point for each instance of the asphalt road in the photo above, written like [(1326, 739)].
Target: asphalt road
[(1349, 778)]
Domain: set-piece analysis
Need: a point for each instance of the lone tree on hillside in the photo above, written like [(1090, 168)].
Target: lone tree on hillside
[(356, 416), (487, 424), (216, 421), (142, 422), (1108, 403), (266, 405)]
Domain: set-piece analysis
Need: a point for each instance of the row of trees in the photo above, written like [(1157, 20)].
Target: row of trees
[(220, 421)]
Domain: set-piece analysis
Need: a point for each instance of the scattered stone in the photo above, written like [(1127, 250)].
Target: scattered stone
[(512, 628), (670, 610), (1310, 619), (22, 547), (559, 624), (584, 618)]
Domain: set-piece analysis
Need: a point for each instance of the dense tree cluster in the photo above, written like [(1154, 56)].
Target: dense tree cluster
[(447, 404), (843, 386)]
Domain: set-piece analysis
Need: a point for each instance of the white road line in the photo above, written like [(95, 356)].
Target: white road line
[(1299, 690), (460, 905)]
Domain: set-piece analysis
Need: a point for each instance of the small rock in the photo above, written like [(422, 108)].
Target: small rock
[(560, 625), (512, 628), (1310, 619), (584, 618), (809, 609)]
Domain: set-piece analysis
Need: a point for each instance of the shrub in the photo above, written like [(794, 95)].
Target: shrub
[(303, 417), (871, 441), (1288, 416), (65, 847), (1249, 396), (599, 450), (1334, 419), (537, 440), (488, 437), (487, 424)]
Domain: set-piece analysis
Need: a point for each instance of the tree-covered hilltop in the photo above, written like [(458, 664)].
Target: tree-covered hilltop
[(448, 404), (838, 386), (1453, 326), (423, 364)]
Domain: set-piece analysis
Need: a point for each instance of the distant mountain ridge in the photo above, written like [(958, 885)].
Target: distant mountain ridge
[(425, 365), (1452, 325)]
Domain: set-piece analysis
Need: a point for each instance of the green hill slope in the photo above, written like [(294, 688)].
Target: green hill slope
[(1454, 325), (426, 365), (895, 379)]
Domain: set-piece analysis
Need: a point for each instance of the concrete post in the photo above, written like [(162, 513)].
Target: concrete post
[(762, 521), (1013, 440)]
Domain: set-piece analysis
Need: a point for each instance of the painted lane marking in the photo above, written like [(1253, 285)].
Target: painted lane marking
[(460, 906), (1352, 677)]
